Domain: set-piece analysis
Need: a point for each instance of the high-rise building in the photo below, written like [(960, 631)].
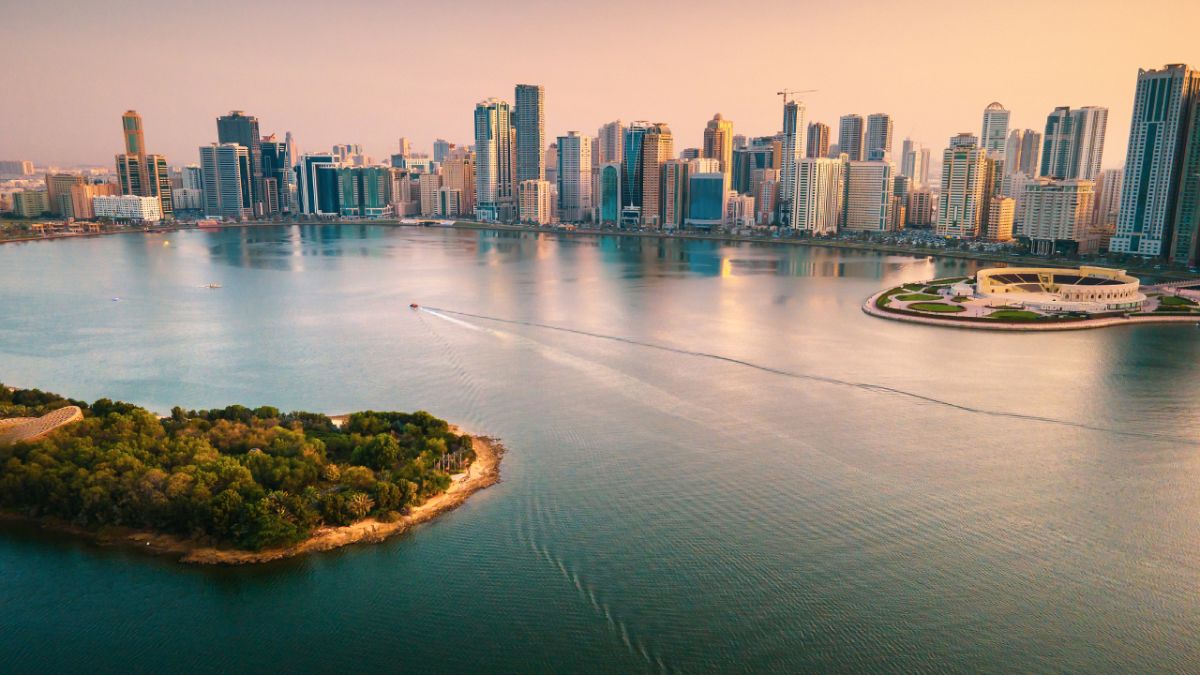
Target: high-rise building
[(139, 173), (610, 193), (428, 185), (1108, 197), (718, 144), (999, 225), (82, 196), (238, 127), (851, 137), (793, 149), (1186, 234), (227, 180), (530, 124), (964, 178), (58, 192), (276, 173), (658, 146), (631, 173), (30, 203), (494, 160), (1058, 217), (135, 137), (1073, 144), (458, 173), (610, 139), (365, 191), (317, 184), (535, 206), (919, 211), (676, 175), (1022, 152), (127, 207), (994, 135), (441, 149), (867, 202), (16, 168), (404, 146), (762, 152), (574, 163), (1163, 114), (818, 140), (817, 204), (913, 162), (706, 195), (879, 137)]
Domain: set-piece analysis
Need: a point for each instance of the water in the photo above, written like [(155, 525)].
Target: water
[(717, 461)]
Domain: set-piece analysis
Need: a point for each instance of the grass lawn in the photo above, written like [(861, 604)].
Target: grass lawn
[(1175, 301), (936, 307), (913, 297), (960, 298), (1014, 315)]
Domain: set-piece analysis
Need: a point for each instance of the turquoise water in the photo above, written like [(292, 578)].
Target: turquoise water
[(717, 461)]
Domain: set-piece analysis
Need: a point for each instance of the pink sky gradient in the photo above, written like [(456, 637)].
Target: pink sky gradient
[(365, 71)]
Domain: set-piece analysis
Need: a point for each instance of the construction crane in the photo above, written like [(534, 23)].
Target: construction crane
[(788, 92)]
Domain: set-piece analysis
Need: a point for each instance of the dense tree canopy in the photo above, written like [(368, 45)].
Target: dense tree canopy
[(251, 478)]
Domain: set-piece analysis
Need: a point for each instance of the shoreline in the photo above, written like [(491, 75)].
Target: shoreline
[(482, 473), (858, 246)]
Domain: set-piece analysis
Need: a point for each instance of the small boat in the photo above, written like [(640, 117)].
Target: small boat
[(116, 299), (213, 285), (414, 306)]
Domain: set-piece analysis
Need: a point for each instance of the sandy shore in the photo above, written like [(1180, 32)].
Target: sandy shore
[(482, 473)]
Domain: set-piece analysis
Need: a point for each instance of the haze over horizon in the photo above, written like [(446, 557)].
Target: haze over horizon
[(369, 72)]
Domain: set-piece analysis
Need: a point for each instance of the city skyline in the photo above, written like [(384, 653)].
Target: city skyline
[(374, 103)]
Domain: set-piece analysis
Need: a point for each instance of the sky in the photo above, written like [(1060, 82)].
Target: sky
[(370, 71)]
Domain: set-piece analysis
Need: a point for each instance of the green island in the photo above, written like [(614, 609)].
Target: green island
[(234, 485), (1038, 298)]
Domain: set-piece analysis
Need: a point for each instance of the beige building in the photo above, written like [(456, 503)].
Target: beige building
[(718, 144), (868, 199), (1001, 211), (429, 184), (658, 145), (1058, 216), (58, 192), (964, 179), (82, 195), (535, 202), (458, 173)]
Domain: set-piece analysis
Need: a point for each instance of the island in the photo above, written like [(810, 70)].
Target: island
[(233, 485), (1038, 299)]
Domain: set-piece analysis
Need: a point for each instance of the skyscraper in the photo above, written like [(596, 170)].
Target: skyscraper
[(610, 139), (610, 193), (458, 173), (139, 173), (227, 191), (1073, 145), (1163, 112), (868, 195), (494, 186), (441, 148), (793, 150), (238, 127), (762, 152), (574, 177), (1058, 216), (912, 162), (818, 140), (817, 201), (718, 144), (879, 137), (530, 124), (851, 139), (994, 135), (1022, 152), (1186, 238), (631, 174), (960, 205), (658, 146), (276, 176), (1108, 198), (317, 184)]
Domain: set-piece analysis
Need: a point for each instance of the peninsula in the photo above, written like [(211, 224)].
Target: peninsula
[(233, 485)]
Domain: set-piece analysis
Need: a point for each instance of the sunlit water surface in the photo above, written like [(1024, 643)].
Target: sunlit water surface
[(717, 461)]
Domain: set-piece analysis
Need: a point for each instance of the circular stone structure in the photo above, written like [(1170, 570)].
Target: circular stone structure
[(1091, 290)]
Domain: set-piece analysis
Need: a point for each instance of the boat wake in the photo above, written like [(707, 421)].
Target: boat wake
[(449, 315)]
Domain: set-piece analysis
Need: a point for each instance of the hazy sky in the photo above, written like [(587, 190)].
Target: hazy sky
[(369, 71)]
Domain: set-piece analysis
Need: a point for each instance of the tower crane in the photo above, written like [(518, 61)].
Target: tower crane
[(788, 92)]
